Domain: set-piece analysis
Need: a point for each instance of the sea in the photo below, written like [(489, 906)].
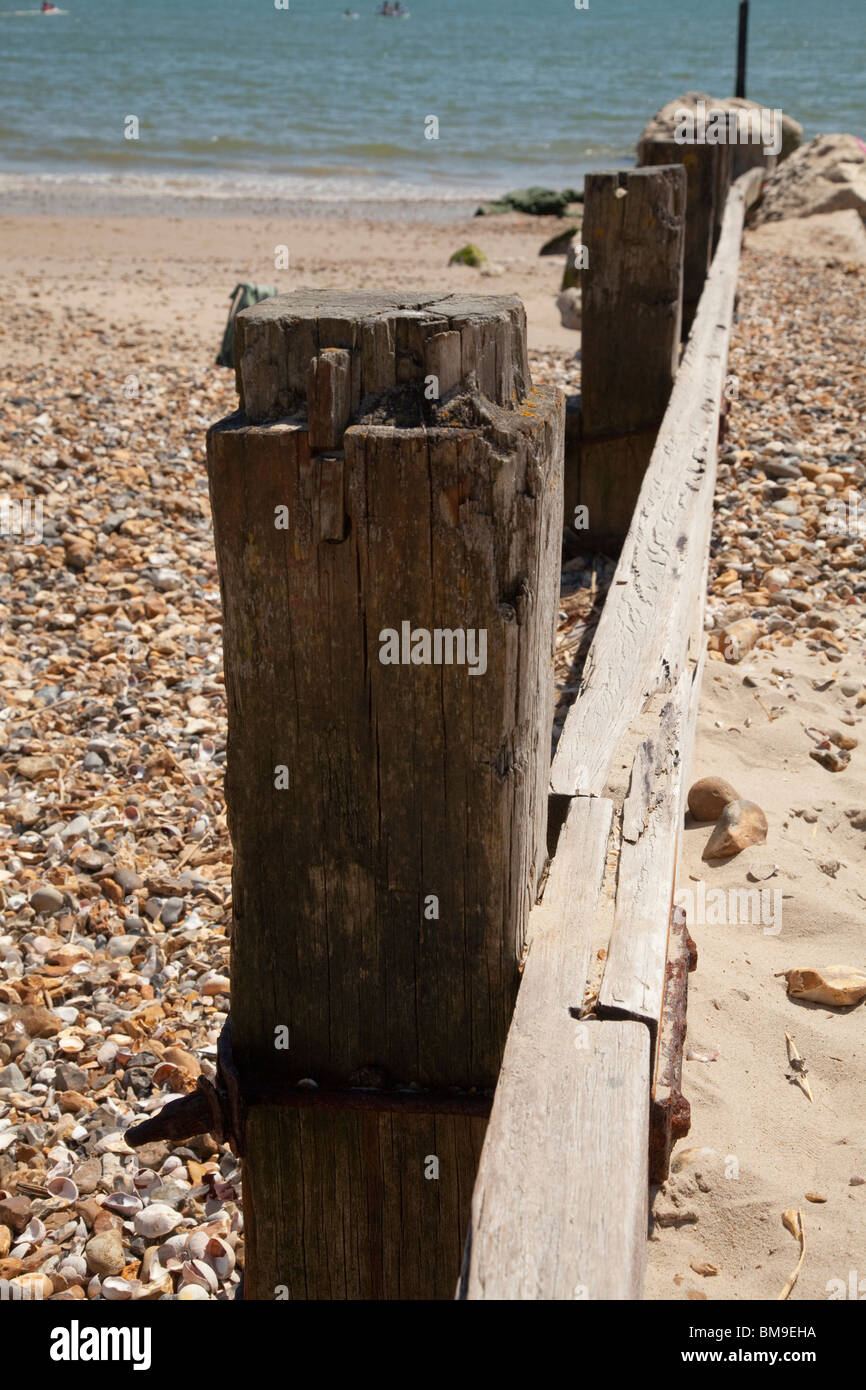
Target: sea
[(207, 104)]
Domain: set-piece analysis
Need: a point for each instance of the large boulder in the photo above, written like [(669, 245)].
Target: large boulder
[(664, 124), (828, 174)]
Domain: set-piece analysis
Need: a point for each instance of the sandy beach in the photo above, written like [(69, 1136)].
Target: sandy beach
[(108, 383)]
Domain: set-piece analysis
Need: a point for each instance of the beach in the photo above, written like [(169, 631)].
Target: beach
[(107, 349)]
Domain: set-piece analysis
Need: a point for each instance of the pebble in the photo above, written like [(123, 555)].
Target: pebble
[(742, 823), (46, 899), (709, 796), (104, 1253)]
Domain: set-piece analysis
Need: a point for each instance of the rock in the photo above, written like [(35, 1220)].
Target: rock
[(36, 769), (842, 740), (78, 552), (185, 1062), (37, 1021), (87, 1176), (127, 879), (569, 305), (833, 759), (538, 202), (15, 1213), (827, 174), (172, 911), (742, 823), (468, 255), (734, 641), (709, 797), (46, 899), (5, 1241), (12, 1077), (746, 153), (104, 1253)]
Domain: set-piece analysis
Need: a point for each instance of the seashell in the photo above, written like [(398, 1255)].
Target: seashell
[(69, 1042), (192, 1293), (94, 1287), (145, 1178), (34, 1231), (63, 1187), (220, 1256), (198, 1272), (115, 1288), (237, 1220), (172, 1249), (835, 985), (172, 1163), (62, 1159), (74, 1266), (156, 1220), (106, 1054), (125, 1204), (196, 1245)]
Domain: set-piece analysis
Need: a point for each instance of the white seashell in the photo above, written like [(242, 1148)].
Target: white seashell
[(192, 1293), (125, 1204), (170, 1254), (21, 1251), (74, 1266), (220, 1256), (145, 1178), (196, 1245), (197, 1272), (237, 1220), (63, 1187), (94, 1287), (157, 1220), (115, 1288), (171, 1164), (34, 1231), (62, 1159)]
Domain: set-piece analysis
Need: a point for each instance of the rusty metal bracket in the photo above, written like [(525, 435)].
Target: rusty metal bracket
[(670, 1113), (220, 1108)]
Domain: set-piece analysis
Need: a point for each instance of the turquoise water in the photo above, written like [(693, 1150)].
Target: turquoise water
[(242, 96)]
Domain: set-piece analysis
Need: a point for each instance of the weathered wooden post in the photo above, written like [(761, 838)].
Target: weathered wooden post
[(633, 231), (708, 170), (387, 519)]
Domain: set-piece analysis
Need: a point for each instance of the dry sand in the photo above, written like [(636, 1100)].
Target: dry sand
[(156, 290)]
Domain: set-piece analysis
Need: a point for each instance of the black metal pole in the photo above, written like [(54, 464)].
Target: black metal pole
[(742, 44)]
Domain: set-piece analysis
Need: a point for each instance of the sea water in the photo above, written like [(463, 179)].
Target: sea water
[(255, 99)]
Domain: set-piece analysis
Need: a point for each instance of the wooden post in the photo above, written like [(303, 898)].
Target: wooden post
[(387, 520), (704, 182), (633, 230), (742, 47)]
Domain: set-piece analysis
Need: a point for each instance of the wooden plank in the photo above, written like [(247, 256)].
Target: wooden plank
[(560, 1204), (636, 647), (634, 975), (559, 1208)]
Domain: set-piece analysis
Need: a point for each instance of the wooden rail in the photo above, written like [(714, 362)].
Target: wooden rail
[(560, 1202)]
